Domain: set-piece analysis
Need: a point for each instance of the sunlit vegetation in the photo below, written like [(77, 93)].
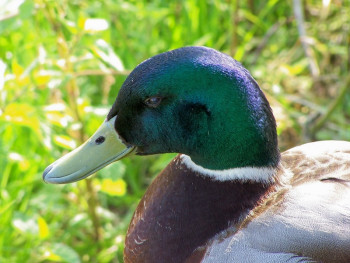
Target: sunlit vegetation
[(63, 62)]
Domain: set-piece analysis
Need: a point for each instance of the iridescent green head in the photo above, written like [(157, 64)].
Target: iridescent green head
[(199, 102)]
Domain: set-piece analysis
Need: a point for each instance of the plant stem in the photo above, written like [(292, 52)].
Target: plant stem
[(299, 16), (92, 205), (336, 102), (73, 94)]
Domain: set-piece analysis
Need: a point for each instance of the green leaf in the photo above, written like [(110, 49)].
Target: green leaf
[(23, 114), (106, 53), (26, 9), (95, 24), (44, 230), (65, 142), (113, 188), (24, 223), (66, 253)]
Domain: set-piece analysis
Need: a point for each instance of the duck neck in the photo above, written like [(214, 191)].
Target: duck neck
[(183, 210)]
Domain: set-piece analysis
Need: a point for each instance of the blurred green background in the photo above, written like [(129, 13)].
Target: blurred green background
[(63, 62)]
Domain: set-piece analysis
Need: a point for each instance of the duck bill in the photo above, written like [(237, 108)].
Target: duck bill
[(103, 148)]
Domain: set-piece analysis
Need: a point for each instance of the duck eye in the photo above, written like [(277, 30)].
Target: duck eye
[(153, 102)]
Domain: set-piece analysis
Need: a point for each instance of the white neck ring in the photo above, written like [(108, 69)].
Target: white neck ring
[(244, 174)]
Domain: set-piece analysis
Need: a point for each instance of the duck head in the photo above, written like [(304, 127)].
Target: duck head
[(193, 100)]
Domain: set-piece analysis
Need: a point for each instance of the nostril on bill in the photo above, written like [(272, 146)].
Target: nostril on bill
[(100, 140)]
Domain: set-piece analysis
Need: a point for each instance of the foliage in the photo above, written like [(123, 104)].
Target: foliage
[(62, 64)]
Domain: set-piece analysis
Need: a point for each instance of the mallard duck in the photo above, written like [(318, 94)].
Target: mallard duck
[(229, 196)]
